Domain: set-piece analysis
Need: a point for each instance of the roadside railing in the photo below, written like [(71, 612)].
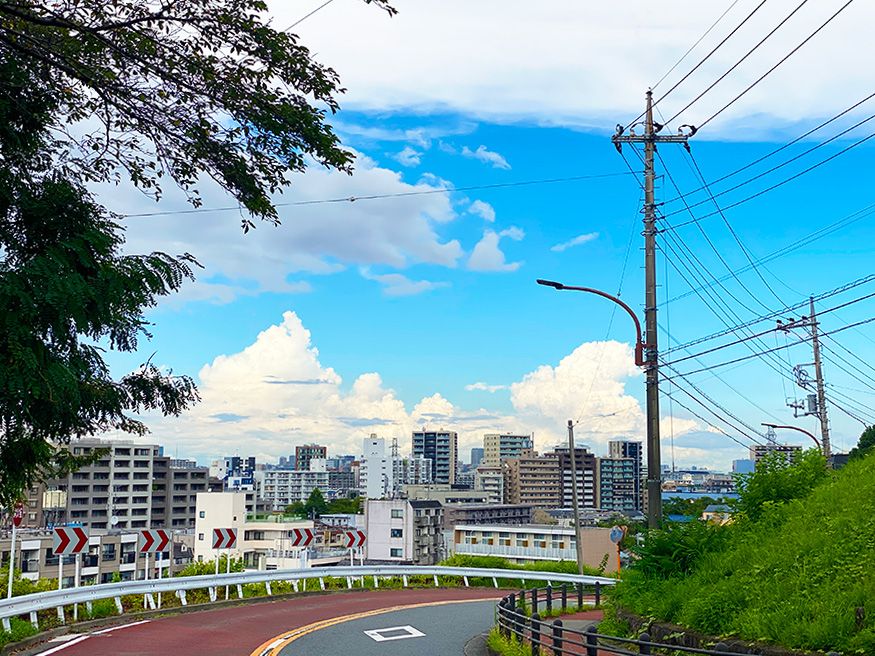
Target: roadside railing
[(522, 617), (29, 605)]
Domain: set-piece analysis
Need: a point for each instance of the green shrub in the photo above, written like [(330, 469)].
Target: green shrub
[(674, 550)]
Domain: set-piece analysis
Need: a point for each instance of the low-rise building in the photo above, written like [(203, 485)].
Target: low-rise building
[(532, 542), (445, 494), (404, 531), (487, 513)]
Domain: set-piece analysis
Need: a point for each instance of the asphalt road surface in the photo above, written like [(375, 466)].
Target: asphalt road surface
[(426, 631), (241, 630)]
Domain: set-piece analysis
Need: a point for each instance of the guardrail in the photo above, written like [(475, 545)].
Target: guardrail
[(30, 604), (518, 616)]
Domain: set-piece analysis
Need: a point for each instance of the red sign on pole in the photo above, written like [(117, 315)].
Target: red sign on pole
[(355, 538), (301, 537), (18, 514), (69, 540), (153, 541), (224, 538)]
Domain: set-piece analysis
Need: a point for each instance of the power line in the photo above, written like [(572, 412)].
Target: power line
[(780, 148), (774, 186), (693, 47), (701, 418), (403, 194), (768, 171), (305, 17), (772, 350), (732, 231), (781, 61), (703, 60), (799, 243), (739, 62)]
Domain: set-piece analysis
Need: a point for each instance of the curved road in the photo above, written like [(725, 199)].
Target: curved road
[(247, 629)]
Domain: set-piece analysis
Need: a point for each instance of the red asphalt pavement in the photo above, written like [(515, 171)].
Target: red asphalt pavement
[(238, 630)]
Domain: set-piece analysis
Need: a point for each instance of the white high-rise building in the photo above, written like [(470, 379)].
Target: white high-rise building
[(382, 476)]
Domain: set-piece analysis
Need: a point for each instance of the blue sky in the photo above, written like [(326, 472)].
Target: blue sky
[(434, 293)]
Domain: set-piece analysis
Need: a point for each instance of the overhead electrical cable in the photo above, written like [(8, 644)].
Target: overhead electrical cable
[(403, 194), (693, 47), (772, 187), (703, 60), (744, 57), (779, 149), (763, 174), (772, 69)]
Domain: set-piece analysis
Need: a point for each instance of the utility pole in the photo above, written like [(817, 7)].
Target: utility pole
[(650, 138), (575, 503), (817, 408), (818, 374)]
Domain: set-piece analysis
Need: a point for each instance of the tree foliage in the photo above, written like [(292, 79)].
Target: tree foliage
[(66, 292), (96, 91), (865, 445), (180, 88), (779, 479)]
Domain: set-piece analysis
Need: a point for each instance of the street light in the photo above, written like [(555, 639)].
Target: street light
[(795, 428), (654, 473), (639, 342)]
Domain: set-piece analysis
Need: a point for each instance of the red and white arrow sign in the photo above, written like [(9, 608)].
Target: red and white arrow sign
[(355, 539), (224, 538), (69, 540), (301, 537), (152, 541)]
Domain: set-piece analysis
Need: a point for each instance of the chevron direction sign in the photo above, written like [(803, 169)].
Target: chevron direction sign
[(301, 537), (69, 540), (152, 541), (355, 539), (224, 538)]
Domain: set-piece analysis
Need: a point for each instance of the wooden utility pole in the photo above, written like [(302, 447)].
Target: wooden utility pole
[(818, 374), (654, 460)]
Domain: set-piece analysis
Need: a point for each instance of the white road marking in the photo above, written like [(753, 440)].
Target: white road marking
[(118, 628), (55, 650), (409, 632)]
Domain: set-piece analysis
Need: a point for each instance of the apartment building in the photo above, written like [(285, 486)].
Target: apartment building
[(307, 452), (500, 446), (635, 450), (404, 531), (491, 481), (617, 490), (487, 513), (445, 494), (534, 480), (760, 451), (532, 542), (282, 487), (132, 486), (441, 448), (586, 470)]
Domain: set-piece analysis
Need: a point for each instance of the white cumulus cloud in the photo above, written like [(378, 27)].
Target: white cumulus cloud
[(483, 210), (483, 387), (408, 157), (487, 254), (576, 241), (483, 154)]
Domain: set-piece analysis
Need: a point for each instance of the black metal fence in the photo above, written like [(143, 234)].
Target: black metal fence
[(519, 616)]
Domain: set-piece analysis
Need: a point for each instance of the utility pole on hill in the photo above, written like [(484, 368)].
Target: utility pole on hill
[(650, 138)]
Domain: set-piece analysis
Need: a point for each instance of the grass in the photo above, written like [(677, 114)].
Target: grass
[(801, 576)]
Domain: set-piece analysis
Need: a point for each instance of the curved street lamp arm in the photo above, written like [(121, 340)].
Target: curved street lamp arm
[(795, 428), (639, 343)]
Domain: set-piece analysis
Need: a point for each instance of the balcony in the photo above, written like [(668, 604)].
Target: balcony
[(522, 553)]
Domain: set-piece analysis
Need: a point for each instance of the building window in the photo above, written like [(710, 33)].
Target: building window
[(396, 553), (200, 536), (396, 533), (397, 514), (202, 514)]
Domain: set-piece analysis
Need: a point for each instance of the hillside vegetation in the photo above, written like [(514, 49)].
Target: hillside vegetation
[(799, 572)]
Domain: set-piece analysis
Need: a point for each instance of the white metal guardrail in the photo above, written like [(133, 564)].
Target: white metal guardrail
[(30, 604)]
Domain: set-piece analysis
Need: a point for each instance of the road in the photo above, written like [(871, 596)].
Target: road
[(425, 631), (241, 630)]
